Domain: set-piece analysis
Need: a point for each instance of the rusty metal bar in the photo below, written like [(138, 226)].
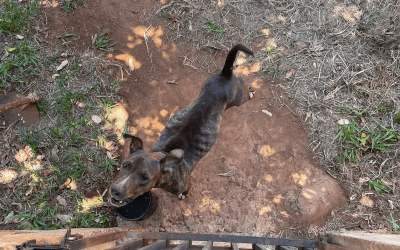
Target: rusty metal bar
[(223, 238), (183, 246), (208, 245), (129, 246), (96, 240), (155, 246)]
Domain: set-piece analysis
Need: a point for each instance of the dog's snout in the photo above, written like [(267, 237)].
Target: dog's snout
[(115, 192)]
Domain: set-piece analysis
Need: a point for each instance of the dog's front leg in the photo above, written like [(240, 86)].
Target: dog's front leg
[(184, 189)]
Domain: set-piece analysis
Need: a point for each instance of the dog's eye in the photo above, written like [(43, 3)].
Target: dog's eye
[(145, 178), (124, 165)]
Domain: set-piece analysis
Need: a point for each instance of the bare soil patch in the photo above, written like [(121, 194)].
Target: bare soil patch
[(264, 175), (269, 179)]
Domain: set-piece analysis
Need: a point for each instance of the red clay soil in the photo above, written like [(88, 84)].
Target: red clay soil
[(273, 183)]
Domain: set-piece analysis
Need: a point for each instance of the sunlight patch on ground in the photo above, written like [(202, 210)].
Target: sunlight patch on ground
[(268, 178), (187, 212), (285, 214), (117, 116), (127, 58), (350, 13), (208, 204), (277, 199), (264, 210), (153, 33), (256, 84), (308, 193), (248, 70), (267, 150), (301, 179), (7, 176)]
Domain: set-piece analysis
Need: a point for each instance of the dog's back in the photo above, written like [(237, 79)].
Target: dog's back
[(195, 127)]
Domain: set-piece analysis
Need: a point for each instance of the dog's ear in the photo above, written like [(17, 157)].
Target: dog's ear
[(136, 143), (171, 160)]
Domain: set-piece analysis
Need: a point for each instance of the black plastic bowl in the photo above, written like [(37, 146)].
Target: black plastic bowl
[(139, 209)]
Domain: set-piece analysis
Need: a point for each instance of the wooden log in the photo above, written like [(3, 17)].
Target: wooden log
[(31, 98)]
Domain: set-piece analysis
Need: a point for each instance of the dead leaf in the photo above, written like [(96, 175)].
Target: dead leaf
[(369, 156), (289, 73), (54, 76), (62, 65), (359, 158), (19, 37), (391, 204), (63, 54), (47, 172), (363, 138), (94, 38), (314, 64), (29, 191), (64, 218), (362, 119), (387, 182), (366, 201), (66, 183), (343, 122), (61, 200), (303, 46), (266, 112), (54, 153), (363, 179), (11, 49)]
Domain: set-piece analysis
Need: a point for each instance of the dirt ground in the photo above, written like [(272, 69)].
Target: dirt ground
[(270, 181)]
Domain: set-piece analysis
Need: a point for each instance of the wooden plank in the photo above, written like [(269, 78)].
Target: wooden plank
[(96, 240), (129, 246), (224, 238)]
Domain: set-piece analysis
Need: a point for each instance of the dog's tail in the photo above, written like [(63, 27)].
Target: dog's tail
[(230, 59)]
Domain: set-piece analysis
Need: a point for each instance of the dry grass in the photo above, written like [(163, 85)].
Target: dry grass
[(344, 56)]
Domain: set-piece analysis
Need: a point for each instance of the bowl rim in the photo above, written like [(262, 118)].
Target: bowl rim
[(141, 217)]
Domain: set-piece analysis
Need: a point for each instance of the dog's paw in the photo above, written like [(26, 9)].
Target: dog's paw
[(181, 196), (251, 94)]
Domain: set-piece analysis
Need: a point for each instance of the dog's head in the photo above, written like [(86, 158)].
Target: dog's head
[(140, 172)]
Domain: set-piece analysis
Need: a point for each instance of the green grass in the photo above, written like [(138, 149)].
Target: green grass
[(102, 43), (354, 138), (215, 29), (32, 139), (15, 17), (66, 101), (397, 118), (272, 72), (396, 227), (378, 186), (89, 220), (42, 218), (108, 165), (20, 65), (70, 5)]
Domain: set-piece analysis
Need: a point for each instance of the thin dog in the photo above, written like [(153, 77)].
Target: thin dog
[(187, 137)]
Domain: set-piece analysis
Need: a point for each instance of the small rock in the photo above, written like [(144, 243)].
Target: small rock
[(19, 37), (96, 119), (343, 122), (266, 112)]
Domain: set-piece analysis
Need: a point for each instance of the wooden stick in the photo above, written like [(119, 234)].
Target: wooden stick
[(31, 98)]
